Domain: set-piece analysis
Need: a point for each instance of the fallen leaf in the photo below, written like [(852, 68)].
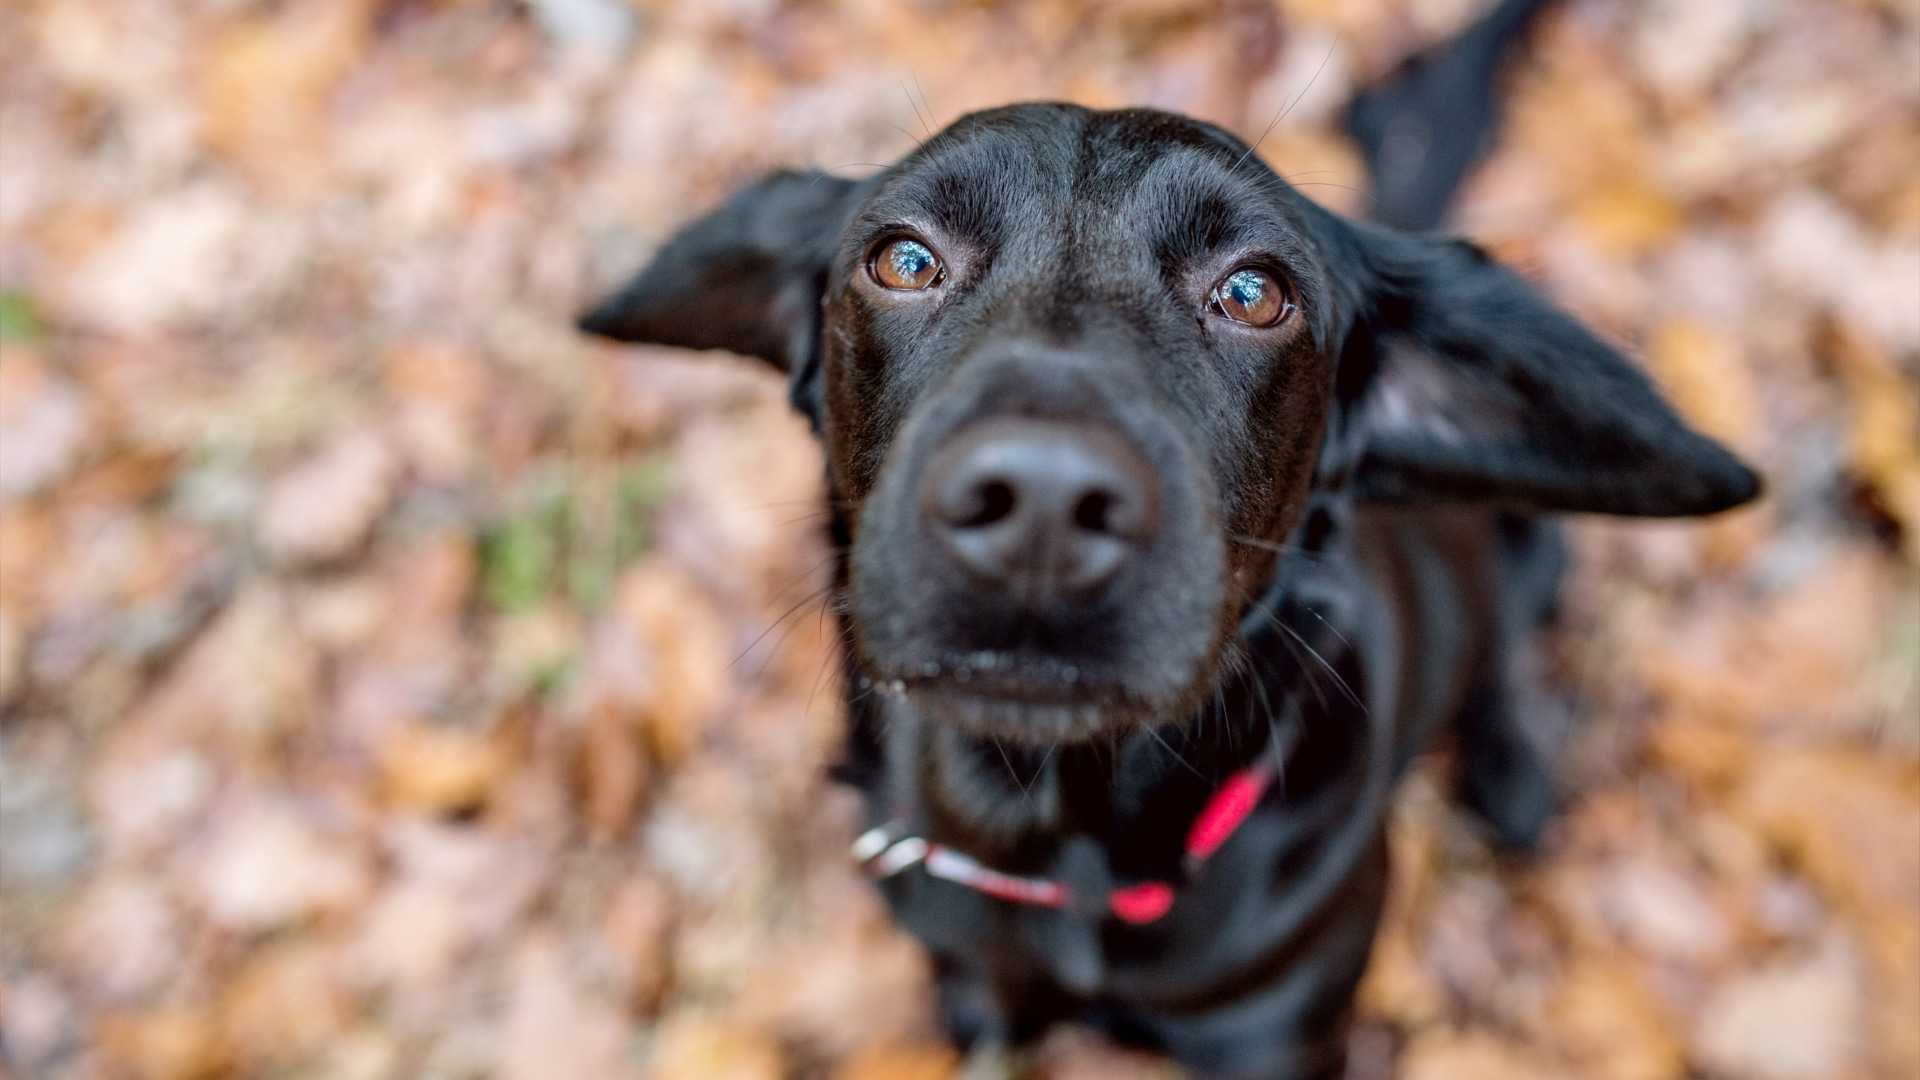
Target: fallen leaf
[(326, 506), (266, 867), (1701, 372), (613, 770), (1851, 823), (285, 1006), (43, 425), (410, 938), (689, 662), (165, 1044), (804, 991), (1787, 1021), (121, 938), (555, 1028), (441, 770), (248, 676), (1607, 1019), (1450, 1056), (264, 85), (1628, 219), (637, 929), (13, 656), (1664, 912), (901, 1061), (37, 1022), (690, 1046)]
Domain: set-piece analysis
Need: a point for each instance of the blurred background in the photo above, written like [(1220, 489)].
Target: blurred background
[(393, 684)]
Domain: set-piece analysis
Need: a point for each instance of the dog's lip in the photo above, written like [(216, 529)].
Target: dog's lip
[(1012, 678)]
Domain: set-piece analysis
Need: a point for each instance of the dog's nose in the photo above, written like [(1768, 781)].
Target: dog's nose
[(1046, 510)]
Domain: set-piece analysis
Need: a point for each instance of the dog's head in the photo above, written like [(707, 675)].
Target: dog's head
[(1078, 373)]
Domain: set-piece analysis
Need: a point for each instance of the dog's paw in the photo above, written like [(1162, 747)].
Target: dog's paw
[(991, 1059)]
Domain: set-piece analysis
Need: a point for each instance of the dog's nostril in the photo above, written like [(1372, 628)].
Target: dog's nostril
[(1094, 512), (1046, 510), (991, 501)]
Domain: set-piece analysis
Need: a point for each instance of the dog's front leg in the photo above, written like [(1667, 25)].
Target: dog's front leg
[(994, 1021)]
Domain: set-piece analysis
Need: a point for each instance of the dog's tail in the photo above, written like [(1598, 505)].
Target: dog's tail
[(1424, 127)]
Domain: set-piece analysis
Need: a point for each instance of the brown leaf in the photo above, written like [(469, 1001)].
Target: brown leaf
[(676, 622), (267, 867), (1884, 431), (439, 393), (613, 770), (1664, 911), (248, 676), (325, 507), (1449, 1056), (637, 929), (901, 1061), (1702, 373), (165, 1044), (13, 656), (285, 1006), (441, 770), (37, 1020), (553, 1027), (43, 422), (26, 540), (1605, 1016), (410, 938), (805, 990), (122, 937), (265, 82), (1787, 1021), (690, 1046), (1850, 822), (1627, 218)]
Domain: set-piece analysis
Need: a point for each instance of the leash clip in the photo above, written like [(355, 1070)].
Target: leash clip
[(884, 854)]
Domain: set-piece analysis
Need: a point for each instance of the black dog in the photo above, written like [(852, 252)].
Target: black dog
[(1176, 514)]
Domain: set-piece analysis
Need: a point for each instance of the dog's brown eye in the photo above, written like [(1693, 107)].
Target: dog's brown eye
[(1250, 296), (906, 264)]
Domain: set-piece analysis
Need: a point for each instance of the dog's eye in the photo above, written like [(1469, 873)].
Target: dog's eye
[(1250, 296), (906, 264)]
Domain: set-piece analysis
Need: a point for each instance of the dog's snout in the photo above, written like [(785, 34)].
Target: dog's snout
[(1043, 509)]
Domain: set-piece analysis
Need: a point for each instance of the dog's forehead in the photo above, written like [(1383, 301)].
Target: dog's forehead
[(1068, 152), (1027, 167)]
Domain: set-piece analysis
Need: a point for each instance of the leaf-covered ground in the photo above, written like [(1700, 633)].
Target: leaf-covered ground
[(393, 684)]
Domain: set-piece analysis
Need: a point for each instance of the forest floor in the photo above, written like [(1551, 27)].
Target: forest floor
[(386, 687)]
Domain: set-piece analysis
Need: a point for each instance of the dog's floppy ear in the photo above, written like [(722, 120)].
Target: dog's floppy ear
[(1471, 386), (748, 277)]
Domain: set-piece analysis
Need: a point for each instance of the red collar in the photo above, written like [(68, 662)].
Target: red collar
[(885, 853)]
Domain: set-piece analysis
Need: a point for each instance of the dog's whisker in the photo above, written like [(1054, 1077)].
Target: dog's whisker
[(926, 115), (1026, 789), (1313, 683), (1149, 729), (1282, 114), (820, 598), (1291, 551), (1338, 679), (1334, 629), (803, 576), (910, 135), (803, 602)]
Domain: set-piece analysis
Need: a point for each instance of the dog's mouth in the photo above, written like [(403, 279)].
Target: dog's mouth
[(1023, 698)]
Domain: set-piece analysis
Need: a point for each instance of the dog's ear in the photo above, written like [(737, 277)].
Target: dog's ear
[(747, 278), (1471, 386)]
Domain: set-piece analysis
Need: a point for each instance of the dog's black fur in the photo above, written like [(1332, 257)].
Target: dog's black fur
[(1350, 559)]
